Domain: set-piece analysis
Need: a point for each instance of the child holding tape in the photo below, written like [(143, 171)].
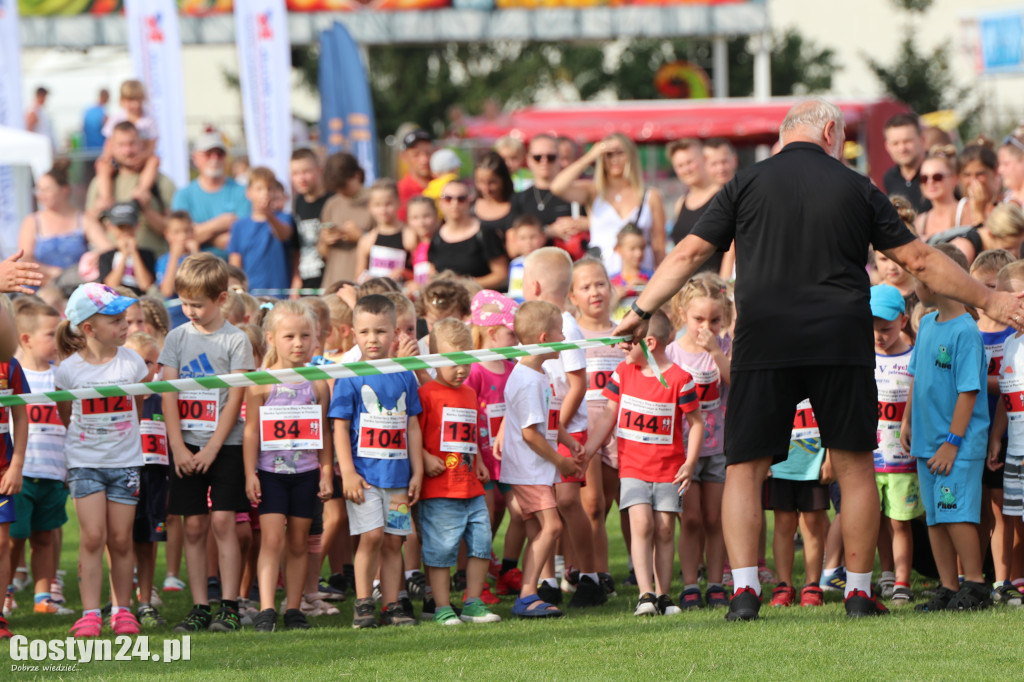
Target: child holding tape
[(287, 462)]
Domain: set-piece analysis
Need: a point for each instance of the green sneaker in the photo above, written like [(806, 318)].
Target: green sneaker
[(477, 612), (226, 620), (149, 617), (445, 615), (197, 620)]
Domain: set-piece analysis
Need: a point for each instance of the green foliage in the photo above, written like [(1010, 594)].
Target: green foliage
[(921, 80), (799, 66)]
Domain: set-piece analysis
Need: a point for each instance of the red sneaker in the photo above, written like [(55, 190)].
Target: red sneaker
[(486, 596), (811, 595), (510, 582), (783, 595), (5, 631)]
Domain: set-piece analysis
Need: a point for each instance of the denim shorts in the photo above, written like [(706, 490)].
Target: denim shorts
[(444, 523), (120, 484)]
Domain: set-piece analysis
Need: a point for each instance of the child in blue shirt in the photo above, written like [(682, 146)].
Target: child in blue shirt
[(380, 454), (949, 439), (259, 243)]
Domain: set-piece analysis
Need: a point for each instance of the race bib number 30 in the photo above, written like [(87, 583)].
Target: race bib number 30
[(291, 427), (45, 420), (154, 442), (107, 411), (382, 436), (644, 421), (199, 410), (458, 430)]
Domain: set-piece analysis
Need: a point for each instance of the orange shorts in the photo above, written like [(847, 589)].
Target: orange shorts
[(581, 438), (534, 498)]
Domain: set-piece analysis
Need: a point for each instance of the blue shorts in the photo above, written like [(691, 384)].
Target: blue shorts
[(119, 485), (8, 513), (955, 498), (444, 523)]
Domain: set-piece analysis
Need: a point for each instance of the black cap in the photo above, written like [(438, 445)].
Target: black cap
[(123, 213), (418, 135)]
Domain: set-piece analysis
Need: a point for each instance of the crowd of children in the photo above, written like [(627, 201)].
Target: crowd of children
[(396, 481)]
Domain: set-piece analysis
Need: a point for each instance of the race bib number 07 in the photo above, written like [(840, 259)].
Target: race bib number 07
[(45, 420), (291, 427)]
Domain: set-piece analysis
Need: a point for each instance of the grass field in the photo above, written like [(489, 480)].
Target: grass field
[(607, 643)]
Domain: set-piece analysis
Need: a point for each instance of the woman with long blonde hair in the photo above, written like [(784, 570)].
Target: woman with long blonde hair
[(616, 197)]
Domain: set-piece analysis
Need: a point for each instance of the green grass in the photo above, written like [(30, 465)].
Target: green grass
[(599, 644)]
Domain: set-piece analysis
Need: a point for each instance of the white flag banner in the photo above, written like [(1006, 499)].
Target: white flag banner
[(13, 199), (155, 45), (264, 70)]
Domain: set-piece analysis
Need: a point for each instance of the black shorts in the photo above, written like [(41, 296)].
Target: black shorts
[(339, 491), (762, 404), (792, 496), (289, 494), (151, 511), (224, 481), (837, 496), (993, 480)]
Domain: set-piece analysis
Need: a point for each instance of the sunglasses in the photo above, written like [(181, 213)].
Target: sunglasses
[(938, 177), (613, 153), (550, 158), (461, 198)]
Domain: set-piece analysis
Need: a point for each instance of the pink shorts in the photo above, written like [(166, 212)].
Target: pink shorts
[(581, 438), (534, 498)]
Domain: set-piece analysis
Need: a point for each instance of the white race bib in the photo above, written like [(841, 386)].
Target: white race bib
[(458, 430), (384, 260), (709, 387), (599, 372), (154, 442), (495, 413), (383, 436), (805, 424), (100, 412), (45, 420), (291, 427), (199, 410), (644, 421)]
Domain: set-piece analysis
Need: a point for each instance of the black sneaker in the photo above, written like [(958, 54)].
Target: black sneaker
[(265, 621), (938, 602), (295, 620), (363, 614), (647, 606), (606, 581), (971, 597), (226, 620), (860, 604), (416, 585), (406, 605), (691, 599), (745, 605), (588, 593), (332, 593), (197, 620), (552, 595), (395, 614), (459, 581), (339, 582), (667, 607), (213, 590), (715, 597)]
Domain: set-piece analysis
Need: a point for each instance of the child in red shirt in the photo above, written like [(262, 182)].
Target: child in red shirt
[(654, 468), (452, 507)]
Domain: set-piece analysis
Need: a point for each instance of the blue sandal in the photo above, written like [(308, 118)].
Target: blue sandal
[(543, 610)]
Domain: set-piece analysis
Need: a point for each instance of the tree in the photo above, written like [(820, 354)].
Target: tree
[(799, 67)]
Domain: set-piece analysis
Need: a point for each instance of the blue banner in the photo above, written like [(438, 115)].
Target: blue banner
[(1001, 42), (346, 108)]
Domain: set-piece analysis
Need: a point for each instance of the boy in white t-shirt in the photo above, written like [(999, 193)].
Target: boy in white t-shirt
[(547, 276), (530, 462)]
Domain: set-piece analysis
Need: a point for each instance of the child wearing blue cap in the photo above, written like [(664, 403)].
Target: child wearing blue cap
[(949, 439), (895, 468), (103, 449)]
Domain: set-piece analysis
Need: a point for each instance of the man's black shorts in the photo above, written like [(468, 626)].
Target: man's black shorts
[(762, 405), (224, 480)]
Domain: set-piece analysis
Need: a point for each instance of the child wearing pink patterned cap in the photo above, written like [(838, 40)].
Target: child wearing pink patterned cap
[(491, 318)]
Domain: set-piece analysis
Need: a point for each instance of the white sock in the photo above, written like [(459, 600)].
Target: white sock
[(376, 583), (592, 576), (746, 577), (409, 574), (114, 610), (551, 582), (857, 581)]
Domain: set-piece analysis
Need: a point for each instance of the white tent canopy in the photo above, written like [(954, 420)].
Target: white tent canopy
[(22, 148)]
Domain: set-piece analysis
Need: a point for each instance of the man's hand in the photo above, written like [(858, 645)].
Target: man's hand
[(17, 277), (1007, 308), (631, 325), (942, 462)]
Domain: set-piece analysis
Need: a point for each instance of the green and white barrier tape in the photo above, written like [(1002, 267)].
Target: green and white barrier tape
[(319, 373)]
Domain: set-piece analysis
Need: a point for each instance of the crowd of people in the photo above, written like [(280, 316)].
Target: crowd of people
[(377, 488)]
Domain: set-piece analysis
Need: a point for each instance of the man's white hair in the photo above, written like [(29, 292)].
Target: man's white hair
[(811, 116)]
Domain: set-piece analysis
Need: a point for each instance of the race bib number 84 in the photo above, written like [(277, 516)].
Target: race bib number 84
[(291, 427)]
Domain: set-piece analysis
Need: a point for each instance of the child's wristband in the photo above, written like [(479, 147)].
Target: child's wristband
[(954, 439)]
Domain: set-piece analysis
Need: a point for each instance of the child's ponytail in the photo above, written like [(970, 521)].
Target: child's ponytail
[(69, 341)]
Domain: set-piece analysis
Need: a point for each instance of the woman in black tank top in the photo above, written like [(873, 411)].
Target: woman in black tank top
[(687, 157)]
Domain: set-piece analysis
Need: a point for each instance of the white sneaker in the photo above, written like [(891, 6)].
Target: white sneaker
[(647, 606), (20, 583), (317, 607), (173, 583)]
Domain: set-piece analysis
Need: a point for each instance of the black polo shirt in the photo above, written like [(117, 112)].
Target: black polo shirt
[(895, 183), (803, 223), (529, 202)]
